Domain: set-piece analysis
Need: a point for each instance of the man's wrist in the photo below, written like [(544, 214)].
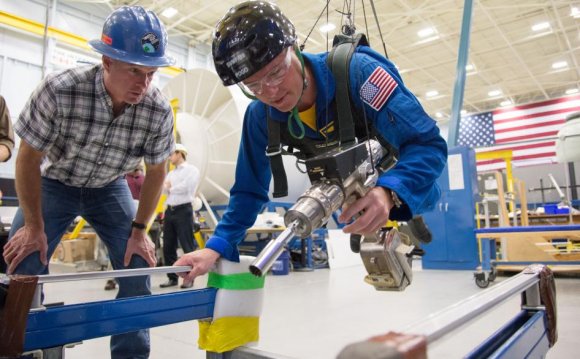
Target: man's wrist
[(138, 225)]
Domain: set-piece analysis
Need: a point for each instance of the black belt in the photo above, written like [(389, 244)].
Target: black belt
[(183, 205)]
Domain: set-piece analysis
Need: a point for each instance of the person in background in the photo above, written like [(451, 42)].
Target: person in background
[(6, 147), (180, 187), (6, 132), (82, 129), (255, 47), (135, 180)]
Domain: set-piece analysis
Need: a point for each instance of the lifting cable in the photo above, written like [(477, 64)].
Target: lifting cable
[(349, 12)]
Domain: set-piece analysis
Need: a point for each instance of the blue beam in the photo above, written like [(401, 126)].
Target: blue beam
[(461, 74), (66, 324), (525, 336)]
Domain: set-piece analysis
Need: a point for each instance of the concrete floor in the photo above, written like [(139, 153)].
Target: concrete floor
[(315, 314)]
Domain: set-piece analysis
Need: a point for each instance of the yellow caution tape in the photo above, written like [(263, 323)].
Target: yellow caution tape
[(227, 333)]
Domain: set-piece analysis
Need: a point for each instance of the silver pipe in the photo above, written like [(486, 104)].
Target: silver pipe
[(438, 324), (67, 277), (262, 264), (558, 189)]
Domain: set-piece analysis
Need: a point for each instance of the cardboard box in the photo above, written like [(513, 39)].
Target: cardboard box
[(74, 250)]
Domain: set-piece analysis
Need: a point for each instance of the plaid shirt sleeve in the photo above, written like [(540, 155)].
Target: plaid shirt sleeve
[(37, 123), (160, 146)]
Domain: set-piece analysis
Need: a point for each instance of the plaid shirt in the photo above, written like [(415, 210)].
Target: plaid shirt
[(69, 117)]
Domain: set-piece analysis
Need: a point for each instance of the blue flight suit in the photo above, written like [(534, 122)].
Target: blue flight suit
[(401, 121)]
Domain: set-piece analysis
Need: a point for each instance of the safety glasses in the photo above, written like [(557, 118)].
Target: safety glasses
[(272, 79)]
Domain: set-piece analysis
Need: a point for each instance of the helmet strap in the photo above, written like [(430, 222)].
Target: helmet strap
[(294, 116)]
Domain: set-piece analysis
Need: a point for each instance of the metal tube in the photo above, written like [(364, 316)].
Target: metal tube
[(560, 193), (66, 277), (268, 256), (438, 324)]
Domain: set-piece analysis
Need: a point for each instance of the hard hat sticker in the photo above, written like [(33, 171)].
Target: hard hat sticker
[(106, 39), (150, 43)]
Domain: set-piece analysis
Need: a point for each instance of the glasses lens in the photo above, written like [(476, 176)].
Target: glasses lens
[(274, 78), (254, 89), (278, 73)]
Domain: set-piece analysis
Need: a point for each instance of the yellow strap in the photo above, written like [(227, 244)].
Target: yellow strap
[(226, 334)]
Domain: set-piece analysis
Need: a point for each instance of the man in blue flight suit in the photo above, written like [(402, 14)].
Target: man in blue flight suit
[(254, 46)]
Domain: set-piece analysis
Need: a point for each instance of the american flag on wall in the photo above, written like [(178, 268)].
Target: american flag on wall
[(530, 131)]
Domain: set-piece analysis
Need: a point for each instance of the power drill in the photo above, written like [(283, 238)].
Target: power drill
[(338, 177)]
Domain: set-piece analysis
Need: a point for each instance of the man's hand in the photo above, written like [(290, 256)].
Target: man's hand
[(374, 206), (25, 241), (4, 153), (201, 261), (139, 244)]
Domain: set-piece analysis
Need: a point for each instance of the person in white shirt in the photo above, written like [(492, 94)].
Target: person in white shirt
[(180, 186)]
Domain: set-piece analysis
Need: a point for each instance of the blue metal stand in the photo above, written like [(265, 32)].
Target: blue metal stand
[(57, 326), (525, 336)]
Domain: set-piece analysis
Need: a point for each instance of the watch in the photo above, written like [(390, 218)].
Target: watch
[(138, 225)]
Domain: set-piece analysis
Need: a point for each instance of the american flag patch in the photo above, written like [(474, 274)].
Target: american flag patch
[(378, 88)]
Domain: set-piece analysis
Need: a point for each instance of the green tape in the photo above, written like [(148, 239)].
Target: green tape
[(237, 281)]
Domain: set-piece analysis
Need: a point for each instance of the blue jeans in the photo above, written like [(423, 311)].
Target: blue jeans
[(109, 210)]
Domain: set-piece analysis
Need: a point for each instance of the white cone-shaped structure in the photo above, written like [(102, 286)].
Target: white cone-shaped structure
[(568, 142), (209, 123)]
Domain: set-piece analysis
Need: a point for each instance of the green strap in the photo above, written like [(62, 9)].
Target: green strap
[(296, 118), (237, 281)]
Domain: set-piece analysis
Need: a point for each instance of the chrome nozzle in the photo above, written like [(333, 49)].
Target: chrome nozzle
[(262, 264)]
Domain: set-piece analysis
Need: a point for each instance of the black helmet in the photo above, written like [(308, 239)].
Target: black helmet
[(247, 38)]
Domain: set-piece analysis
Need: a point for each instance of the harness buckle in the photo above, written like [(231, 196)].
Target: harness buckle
[(272, 151)]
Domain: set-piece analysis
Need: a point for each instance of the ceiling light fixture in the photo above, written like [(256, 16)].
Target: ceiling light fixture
[(505, 103), (571, 91), (541, 26), (169, 12), (470, 69), (327, 27), (575, 13), (439, 115), (426, 32), (432, 93), (559, 65), (494, 93)]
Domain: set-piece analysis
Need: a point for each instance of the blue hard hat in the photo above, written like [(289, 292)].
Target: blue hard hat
[(134, 35)]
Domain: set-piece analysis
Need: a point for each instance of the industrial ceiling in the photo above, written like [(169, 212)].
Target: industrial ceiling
[(521, 51)]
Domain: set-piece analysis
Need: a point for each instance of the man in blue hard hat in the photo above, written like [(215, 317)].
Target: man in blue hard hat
[(296, 93), (82, 129)]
